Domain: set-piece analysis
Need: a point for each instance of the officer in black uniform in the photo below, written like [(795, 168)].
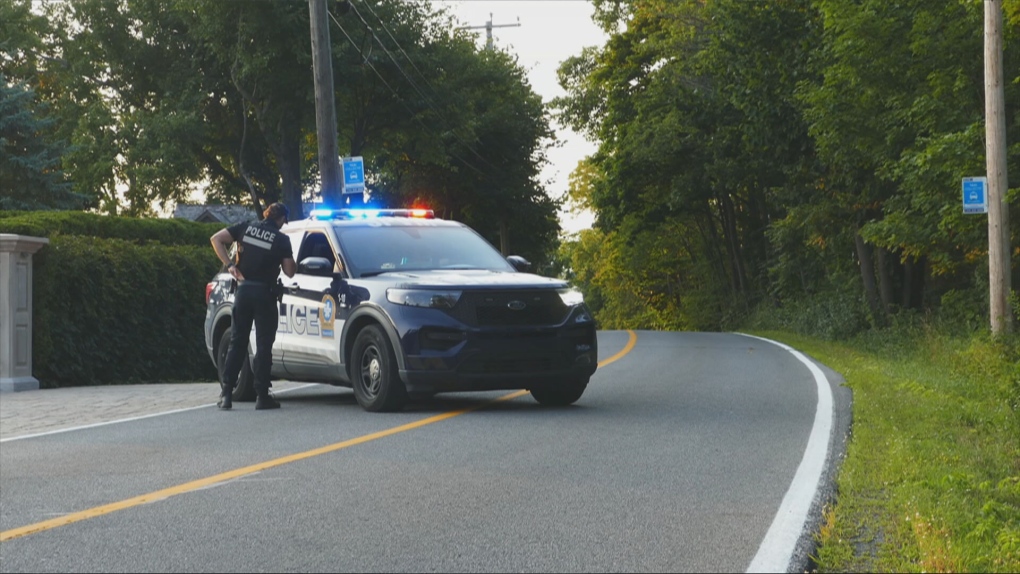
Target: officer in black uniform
[(261, 251)]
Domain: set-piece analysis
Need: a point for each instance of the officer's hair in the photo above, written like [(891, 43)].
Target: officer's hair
[(275, 210)]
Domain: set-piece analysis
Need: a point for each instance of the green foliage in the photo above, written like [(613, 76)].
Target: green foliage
[(836, 312), (110, 311), (962, 312), (645, 280), (931, 480), (918, 126), (695, 109), (117, 299), (157, 98), (30, 175), (164, 231), (481, 176), (810, 151)]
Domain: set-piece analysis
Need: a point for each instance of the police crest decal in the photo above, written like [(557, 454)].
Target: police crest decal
[(327, 314)]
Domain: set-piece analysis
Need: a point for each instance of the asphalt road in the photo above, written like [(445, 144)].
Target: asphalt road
[(679, 457)]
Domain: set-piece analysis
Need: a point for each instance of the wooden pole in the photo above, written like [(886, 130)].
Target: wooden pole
[(995, 144), (325, 107)]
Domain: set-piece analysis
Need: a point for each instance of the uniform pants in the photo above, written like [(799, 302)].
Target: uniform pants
[(254, 302)]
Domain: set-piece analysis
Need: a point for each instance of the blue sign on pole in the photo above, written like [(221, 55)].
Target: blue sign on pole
[(354, 175), (975, 198)]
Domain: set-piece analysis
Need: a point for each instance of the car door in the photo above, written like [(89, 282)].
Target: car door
[(308, 316)]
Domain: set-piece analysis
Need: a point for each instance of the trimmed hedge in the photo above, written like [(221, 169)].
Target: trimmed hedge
[(50, 223), (118, 300), (108, 311)]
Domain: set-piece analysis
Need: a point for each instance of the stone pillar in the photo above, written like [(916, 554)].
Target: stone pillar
[(16, 311)]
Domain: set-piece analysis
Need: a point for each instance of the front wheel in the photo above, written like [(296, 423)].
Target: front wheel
[(377, 386), (560, 395), (244, 390)]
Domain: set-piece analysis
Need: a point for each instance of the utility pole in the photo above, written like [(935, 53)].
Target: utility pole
[(488, 29), (325, 106), (504, 228), (999, 268)]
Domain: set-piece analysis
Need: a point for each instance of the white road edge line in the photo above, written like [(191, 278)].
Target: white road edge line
[(776, 550), (138, 418)]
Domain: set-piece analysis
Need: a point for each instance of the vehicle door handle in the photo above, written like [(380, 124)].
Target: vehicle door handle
[(293, 285)]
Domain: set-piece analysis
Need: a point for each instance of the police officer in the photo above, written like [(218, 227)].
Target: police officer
[(261, 251)]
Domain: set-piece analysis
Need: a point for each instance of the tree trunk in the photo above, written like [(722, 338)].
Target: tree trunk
[(733, 243), (710, 238), (289, 161), (255, 199), (885, 287), (868, 277), (757, 244), (913, 283)]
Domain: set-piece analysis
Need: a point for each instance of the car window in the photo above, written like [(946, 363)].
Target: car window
[(399, 248), (316, 244)]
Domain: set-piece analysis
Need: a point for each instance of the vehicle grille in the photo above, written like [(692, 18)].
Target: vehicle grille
[(513, 364), (493, 308)]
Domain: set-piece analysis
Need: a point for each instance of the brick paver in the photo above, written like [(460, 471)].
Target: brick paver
[(43, 410)]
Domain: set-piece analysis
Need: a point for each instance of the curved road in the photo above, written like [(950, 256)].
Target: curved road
[(689, 452)]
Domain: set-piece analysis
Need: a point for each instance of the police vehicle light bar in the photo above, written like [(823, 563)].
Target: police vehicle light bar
[(369, 213)]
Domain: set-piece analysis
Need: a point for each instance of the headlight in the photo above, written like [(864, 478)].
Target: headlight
[(423, 298), (571, 296)]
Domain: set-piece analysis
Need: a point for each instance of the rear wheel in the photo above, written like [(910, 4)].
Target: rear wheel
[(560, 395), (244, 390), (377, 386)]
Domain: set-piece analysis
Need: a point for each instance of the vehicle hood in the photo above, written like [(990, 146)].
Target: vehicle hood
[(465, 279)]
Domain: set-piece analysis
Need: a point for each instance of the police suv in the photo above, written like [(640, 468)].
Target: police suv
[(397, 304)]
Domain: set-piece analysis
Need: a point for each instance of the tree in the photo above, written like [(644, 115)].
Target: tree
[(159, 98), (694, 105), (30, 174), (790, 146), (898, 117), (465, 140)]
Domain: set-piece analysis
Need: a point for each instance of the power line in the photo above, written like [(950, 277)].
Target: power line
[(395, 42), (429, 103), (364, 58), (397, 95), (427, 100), (388, 53)]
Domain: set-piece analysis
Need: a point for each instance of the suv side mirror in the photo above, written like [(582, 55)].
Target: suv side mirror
[(318, 266), (519, 263)]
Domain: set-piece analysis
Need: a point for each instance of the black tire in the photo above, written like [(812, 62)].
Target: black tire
[(560, 395), (244, 390), (377, 386)]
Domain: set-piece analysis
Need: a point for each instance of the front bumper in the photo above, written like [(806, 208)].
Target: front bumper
[(501, 359)]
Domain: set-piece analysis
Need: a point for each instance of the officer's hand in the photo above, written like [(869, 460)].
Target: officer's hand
[(236, 273)]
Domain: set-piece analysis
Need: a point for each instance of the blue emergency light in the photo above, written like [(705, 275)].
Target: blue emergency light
[(325, 213)]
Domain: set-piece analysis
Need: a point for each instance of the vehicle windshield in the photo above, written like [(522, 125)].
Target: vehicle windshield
[(375, 250)]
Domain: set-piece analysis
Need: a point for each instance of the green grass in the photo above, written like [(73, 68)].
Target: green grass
[(931, 480)]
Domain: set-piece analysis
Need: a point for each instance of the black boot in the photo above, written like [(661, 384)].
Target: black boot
[(264, 401), (226, 397)]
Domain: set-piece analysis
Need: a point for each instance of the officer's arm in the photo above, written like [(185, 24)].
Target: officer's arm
[(289, 267), (221, 241)]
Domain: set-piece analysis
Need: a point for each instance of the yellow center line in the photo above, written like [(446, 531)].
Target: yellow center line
[(240, 472), (626, 349)]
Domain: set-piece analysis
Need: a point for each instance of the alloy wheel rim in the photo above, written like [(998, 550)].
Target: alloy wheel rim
[(371, 371)]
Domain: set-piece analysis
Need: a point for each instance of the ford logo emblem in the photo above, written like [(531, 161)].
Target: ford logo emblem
[(516, 305)]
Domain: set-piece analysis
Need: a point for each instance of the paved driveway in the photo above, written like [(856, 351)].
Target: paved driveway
[(46, 410)]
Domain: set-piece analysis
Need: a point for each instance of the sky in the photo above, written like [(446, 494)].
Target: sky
[(550, 31)]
